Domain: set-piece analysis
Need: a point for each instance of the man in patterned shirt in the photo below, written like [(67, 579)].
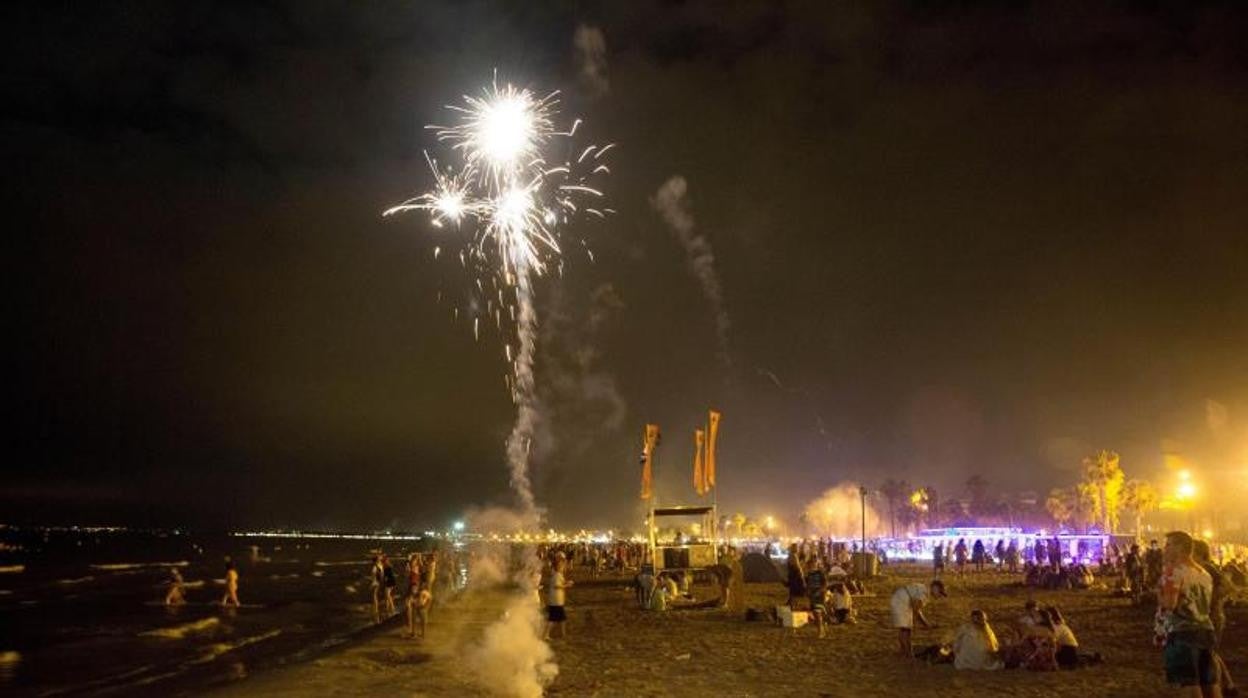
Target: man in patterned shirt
[(1184, 614)]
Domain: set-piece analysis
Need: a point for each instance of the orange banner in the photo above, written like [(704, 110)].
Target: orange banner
[(712, 435), (699, 474), (650, 440)]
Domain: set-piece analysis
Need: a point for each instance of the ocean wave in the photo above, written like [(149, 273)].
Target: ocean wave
[(221, 648), (339, 563), (115, 566), (12, 569), (177, 632), (293, 575), (76, 580)]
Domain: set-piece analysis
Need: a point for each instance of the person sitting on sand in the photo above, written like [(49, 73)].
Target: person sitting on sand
[(1067, 653), (1030, 617), (842, 604), (231, 586), (1038, 649), (975, 645), (175, 596), (906, 606)]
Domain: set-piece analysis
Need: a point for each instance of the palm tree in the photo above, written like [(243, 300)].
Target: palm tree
[(977, 488), (1060, 505), (1139, 497), (1103, 479), (894, 491)]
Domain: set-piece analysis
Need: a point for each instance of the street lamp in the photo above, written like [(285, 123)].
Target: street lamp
[(862, 492)]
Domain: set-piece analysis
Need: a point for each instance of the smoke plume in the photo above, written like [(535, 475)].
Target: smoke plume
[(838, 513), (591, 52), (671, 203)]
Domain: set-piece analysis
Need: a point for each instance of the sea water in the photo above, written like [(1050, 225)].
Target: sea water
[(81, 611)]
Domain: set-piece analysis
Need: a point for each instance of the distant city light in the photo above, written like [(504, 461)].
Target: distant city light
[(459, 526)]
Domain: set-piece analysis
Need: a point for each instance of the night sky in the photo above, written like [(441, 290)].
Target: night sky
[(949, 240)]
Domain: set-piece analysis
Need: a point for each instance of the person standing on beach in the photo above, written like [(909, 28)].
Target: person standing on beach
[(377, 578), (175, 596), (418, 597), (1184, 611), (906, 606), (938, 559), (231, 585), (389, 582), (796, 580), (556, 597), (959, 556)]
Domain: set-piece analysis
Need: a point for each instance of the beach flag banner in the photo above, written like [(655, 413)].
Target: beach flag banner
[(711, 434), (650, 439), (699, 474)]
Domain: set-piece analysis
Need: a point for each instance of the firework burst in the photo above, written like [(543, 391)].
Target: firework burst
[(518, 182)]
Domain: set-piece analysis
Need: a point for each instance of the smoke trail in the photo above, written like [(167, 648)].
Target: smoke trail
[(591, 51), (672, 205), (511, 658), (524, 394)]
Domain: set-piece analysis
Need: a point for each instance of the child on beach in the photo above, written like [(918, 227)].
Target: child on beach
[(175, 596), (419, 598), (556, 616), (231, 586), (842, 604)]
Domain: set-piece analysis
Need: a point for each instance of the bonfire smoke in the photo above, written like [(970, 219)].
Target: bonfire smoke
[(838, 513), (672, 205), (591, 52)]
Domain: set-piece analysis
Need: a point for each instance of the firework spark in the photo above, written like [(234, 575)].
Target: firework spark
[(517, 182)]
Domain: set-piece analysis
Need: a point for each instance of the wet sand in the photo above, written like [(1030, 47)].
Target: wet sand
[(615, 650)]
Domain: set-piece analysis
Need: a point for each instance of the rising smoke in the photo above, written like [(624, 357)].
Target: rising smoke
[(591, 53), (671, 203), (511, 658), (838, 513)]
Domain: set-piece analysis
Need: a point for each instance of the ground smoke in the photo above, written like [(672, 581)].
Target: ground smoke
[(512, 659), (837, 513)]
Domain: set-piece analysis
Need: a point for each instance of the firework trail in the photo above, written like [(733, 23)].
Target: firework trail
[(672, 204), (517, 183)]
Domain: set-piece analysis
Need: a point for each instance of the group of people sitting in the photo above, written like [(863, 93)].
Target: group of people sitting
[(1040, 641), (1076, 576), (826, 587)]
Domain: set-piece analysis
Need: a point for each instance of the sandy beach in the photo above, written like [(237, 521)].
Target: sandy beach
[(613, 649)]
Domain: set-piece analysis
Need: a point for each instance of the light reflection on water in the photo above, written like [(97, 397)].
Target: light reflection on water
[(9, 662)]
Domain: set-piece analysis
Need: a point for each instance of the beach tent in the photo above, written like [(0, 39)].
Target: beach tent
[(757, 567)]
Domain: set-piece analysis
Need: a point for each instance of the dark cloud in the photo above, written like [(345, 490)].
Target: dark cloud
[(976, 238)]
